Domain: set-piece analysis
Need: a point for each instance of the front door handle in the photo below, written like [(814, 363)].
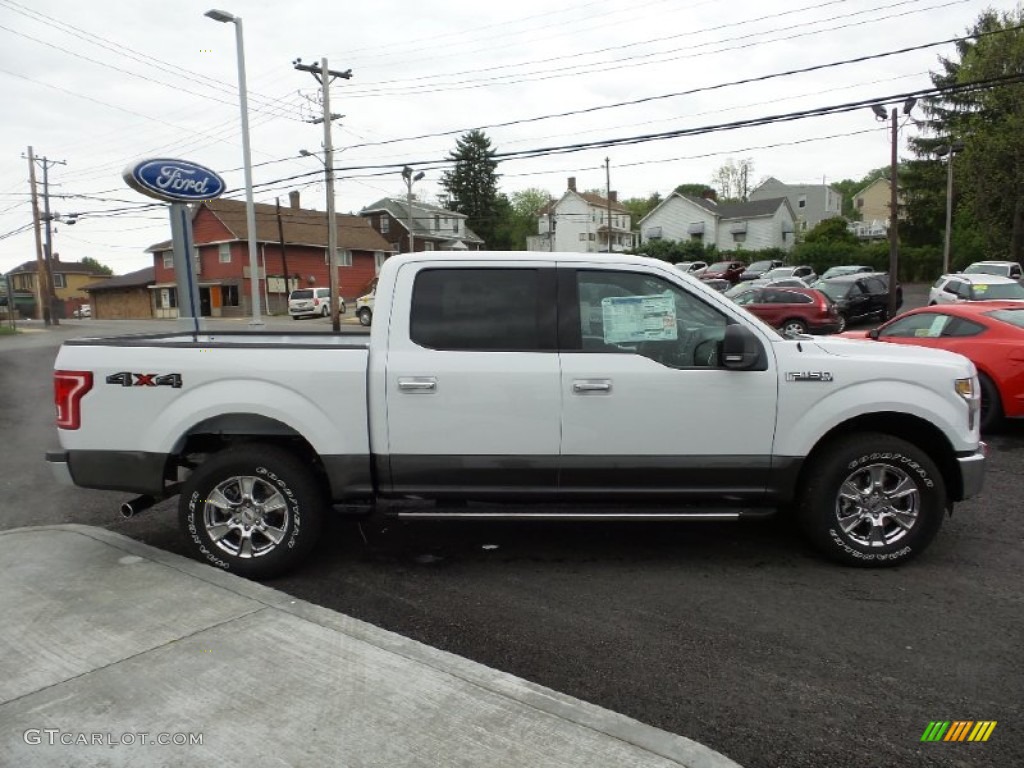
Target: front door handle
[(418, 384), (591, 386)]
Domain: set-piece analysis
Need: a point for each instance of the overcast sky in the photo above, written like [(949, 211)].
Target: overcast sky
[(100, 84)]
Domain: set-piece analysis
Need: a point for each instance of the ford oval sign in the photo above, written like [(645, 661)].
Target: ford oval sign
[(174, 180)]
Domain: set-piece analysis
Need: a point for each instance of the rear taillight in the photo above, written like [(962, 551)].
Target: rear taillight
[(316, 302), (69, 387)]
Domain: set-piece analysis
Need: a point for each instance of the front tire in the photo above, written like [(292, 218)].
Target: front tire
[(254, 510), (872, 500), (991, 405), (793, 326), (365, 316), (325, 311)]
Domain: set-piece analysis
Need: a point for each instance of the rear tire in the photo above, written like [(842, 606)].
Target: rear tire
[(365, 316), (254, 510), (991, 405), (325, 311), (872, 500)]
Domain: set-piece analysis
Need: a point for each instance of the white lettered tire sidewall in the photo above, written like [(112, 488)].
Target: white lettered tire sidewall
[(290, 477), (839, 460)]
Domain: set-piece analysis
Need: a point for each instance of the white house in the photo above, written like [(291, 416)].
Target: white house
[(743, 226), (578, 222)]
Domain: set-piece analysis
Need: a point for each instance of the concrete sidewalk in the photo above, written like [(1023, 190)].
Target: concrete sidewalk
[(109, 647)]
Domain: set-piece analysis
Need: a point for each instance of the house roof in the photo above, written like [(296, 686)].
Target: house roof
[(422, 219), (301, 226), (138, 279), (881, 180), (596, 200), (748, 209), (59, 267)]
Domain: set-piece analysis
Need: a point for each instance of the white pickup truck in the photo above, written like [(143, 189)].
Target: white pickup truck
[(586, 385)]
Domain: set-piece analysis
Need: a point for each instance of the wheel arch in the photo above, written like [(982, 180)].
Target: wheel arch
[(914, 429)]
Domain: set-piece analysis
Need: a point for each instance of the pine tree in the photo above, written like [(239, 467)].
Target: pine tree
[(472, 185)]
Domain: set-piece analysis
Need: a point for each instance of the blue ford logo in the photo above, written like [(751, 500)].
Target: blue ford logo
[(174, 180)]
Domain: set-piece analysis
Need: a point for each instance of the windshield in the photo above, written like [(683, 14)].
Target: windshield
[(306, 293), (736, 290), (759, 265), (719, 266), (988, 292), (834, 291), (778, 272), (986, 269), (1011, 316)]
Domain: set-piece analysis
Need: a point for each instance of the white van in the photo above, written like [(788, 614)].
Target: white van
[(312, 302)]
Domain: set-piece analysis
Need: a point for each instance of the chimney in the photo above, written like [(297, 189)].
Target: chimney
[(613, 196), (710, 194), (572, 183), (293, 199)]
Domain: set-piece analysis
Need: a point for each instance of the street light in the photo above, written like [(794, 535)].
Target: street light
[(881, 114), (949, 149), (250, 210), (407, 174)]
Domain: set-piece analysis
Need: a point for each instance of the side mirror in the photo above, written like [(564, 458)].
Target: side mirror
[(873, 334), (741, 349)]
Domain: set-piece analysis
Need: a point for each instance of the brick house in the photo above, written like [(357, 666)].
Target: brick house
[(434, 228), (221, 256), (125, 297)]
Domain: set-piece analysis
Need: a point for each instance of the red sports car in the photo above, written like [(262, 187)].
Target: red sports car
[(988, 333)]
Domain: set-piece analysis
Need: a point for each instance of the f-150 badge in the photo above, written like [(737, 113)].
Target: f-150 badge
[(809, 376), (126, 379)]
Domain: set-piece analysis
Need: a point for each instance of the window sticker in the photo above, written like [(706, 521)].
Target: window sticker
[(639, 318), (980, 287), (934, 330)]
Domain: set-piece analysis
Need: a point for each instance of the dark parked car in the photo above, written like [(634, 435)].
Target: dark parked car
[(724, 270), (793, 310), (758, 268), (860, 296)]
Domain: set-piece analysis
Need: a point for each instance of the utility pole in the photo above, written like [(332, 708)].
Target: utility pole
[(551, 224), (46, 164), (284, 252), (894, 237), (325, 77), (42, 281), (608, 189)]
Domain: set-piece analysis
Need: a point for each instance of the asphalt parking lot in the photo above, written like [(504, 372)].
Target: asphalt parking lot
[(737, 636)]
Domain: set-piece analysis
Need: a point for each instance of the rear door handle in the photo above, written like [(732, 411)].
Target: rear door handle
[(591, 386), (414, 385)]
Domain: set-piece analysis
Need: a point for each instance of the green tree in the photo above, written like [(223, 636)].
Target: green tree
[(989, 173), (832, 230), (89, 261), (639, 207), (693, 190), (472, 185), (517, 218)]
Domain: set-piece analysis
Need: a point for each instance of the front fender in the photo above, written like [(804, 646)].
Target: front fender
[(799, 432)]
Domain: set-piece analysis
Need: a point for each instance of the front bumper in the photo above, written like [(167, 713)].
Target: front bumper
[(972, 472)]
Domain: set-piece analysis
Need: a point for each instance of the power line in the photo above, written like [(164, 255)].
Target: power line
[(618, 64)]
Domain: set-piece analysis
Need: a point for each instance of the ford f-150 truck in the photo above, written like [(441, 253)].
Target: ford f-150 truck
[(568, 381)]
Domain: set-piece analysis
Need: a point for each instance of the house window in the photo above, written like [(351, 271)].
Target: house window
[(384, 224), (59, 280), (428, 246), (229, 295), (739, 237), (583, 236), (168, 260), (344, 257), (859, 202), (168, 298), (455, 226), (224, 253), (198, 262), (592, 236), (437, 223), (802, 202), (697, 238)]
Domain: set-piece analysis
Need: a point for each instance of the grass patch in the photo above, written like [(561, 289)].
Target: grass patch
[(6, 329)]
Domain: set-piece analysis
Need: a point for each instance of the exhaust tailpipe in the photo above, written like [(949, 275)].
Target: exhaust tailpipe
[(136, 506)]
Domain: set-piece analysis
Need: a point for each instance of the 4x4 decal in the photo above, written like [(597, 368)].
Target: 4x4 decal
[(126, 379)]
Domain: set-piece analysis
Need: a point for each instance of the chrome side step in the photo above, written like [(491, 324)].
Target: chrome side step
[(435, 515)]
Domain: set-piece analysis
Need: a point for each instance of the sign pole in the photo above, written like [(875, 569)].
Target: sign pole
[(184, 271)]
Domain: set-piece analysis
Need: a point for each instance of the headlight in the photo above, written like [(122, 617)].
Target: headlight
[(969, 390)]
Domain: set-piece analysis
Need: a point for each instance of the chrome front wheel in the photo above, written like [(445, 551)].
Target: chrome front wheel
[(877, 505)]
